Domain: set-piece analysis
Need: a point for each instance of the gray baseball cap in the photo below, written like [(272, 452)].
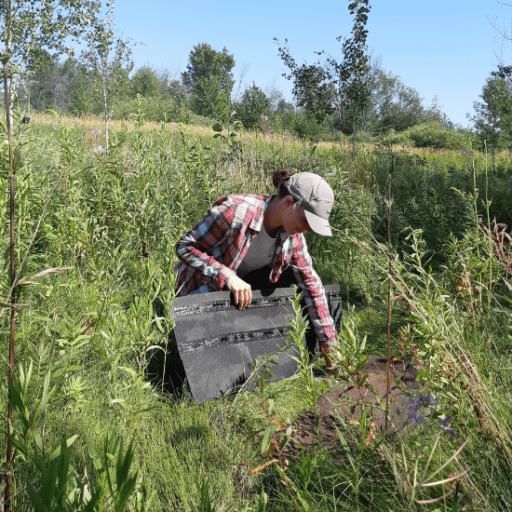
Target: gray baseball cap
[(315, 195)]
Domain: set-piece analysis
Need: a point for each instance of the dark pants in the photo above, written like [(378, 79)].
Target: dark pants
[(258, 279)]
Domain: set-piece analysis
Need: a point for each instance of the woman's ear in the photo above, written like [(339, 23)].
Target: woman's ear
[(289, 201)]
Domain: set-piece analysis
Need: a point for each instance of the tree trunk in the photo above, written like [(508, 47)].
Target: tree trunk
[(354, 128), (340, 112), (105, 103)]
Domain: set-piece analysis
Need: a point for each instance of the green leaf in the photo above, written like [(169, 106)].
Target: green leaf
[(217, 127), (123, 464), (93, 453), (21, 447), (346, 448), (56, 453), (34, 498), (267, 438), (125, 493), (92, 504), (63, 468), (17, 403), (284, 443)]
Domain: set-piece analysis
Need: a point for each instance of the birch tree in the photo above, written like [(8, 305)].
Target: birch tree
[(108, 56), (29, 25)]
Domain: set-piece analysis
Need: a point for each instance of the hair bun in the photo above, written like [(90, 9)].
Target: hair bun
[(280, 177)]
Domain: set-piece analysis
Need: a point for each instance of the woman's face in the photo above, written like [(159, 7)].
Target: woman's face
[(294, 218)]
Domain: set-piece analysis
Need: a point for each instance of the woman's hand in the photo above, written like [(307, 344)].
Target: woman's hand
[(241, 291)]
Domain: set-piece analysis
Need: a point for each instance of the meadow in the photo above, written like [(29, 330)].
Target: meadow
[(98, 421)]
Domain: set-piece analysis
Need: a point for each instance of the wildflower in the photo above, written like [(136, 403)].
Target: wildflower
[(445, 422), (464, 151), (98, 150), (287, 134), (429, 399), (264, 118), (95, 132), (451, 432), (416, 413), (414, 408), (445, 426)]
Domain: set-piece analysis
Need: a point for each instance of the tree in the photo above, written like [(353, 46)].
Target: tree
[(171, 86), (82, 101), (48, 83), (146, 83), (108, 55), (40, 79), (340, 87), (493, 115), (351, 75), (29, 26), (254, 103), (311, 91), (398, 107), (209, 78)]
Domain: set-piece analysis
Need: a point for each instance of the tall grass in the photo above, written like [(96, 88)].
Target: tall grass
[(99, 338)]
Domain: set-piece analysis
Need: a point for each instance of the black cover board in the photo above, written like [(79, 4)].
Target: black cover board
[(218, 343)]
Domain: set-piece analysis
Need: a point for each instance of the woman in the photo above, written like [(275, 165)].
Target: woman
[(247, 242)]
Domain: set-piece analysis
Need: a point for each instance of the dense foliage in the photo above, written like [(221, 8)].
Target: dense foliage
[(493, 114), (95, 359), (322, 110), (102, 419)]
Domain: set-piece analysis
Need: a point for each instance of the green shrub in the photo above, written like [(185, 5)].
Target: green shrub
[(434, 135), (393, 138)]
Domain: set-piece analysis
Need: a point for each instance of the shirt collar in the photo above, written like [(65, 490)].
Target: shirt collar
[(257, 221)]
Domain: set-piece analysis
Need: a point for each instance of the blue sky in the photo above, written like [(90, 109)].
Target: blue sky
[(441, 48)]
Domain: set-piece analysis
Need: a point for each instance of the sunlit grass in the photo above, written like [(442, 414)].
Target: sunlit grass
[(90, 122), (116, 218)]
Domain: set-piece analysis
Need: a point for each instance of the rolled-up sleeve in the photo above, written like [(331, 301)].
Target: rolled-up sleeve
[(313, 291), (195, 248)]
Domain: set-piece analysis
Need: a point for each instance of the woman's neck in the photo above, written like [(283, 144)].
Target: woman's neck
[(272, 220)]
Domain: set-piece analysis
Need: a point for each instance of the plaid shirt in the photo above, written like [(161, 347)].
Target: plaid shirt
[(212, 250)]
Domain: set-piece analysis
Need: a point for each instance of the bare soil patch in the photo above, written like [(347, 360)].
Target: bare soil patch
[(341, 406)]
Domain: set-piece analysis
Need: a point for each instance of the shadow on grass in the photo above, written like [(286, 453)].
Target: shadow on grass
[(372, 323)]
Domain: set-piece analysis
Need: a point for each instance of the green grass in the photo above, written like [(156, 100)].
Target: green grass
[(116, 218)]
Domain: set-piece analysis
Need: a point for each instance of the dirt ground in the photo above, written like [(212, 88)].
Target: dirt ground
[(341, 406)]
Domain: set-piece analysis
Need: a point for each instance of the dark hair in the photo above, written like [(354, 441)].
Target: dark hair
[(281, 176)]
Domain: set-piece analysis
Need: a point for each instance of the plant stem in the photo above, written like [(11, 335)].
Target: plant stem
[(388, 363), (12, 328)]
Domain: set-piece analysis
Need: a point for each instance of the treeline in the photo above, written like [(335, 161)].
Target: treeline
[(71, 86), (207, 88)]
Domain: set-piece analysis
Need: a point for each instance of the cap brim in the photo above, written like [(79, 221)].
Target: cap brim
[(317, 224)]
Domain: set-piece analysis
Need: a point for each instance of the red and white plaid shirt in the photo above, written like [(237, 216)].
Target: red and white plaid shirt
[(212, 250)]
